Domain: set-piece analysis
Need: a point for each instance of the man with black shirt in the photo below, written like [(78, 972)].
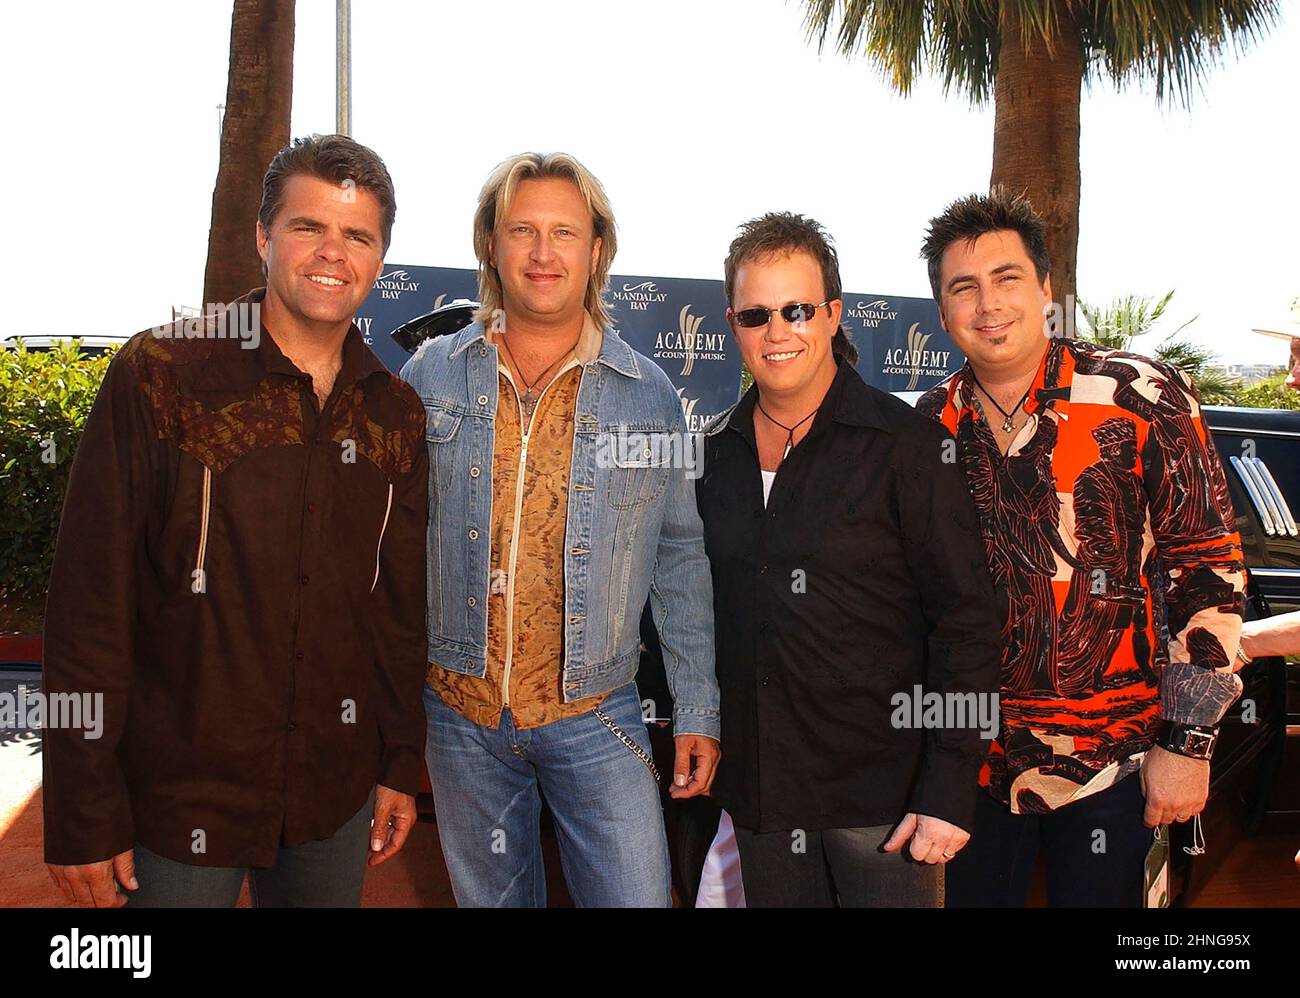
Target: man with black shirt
[(849, 586)]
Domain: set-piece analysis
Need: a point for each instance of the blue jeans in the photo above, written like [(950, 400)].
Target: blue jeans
[(487, 786), (323, 874)]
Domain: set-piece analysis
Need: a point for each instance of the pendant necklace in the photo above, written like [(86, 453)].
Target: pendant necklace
[(1008, 423), (789, 430), (531, 396)]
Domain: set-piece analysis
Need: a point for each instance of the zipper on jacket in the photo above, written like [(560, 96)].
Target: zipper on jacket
[(388, 509), (518, 515), (199, 583)]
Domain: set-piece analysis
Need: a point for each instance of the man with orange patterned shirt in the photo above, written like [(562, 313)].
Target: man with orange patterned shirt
[(1107, 523)]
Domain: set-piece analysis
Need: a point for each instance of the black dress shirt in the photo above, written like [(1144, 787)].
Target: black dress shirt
[(863, 578)]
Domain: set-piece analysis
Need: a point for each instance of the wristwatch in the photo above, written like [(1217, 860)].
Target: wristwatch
[(1196, 741)]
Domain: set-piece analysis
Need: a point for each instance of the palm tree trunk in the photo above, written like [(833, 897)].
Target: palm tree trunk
[(1036, 132), (259, 96)]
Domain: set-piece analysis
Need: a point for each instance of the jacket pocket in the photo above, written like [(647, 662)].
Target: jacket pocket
[(638, 475), (441, 424)]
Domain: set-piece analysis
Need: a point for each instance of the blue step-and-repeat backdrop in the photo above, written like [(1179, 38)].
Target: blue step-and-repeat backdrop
[(681, 324)]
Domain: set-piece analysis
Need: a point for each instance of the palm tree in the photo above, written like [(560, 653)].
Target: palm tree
[(1118, 324), (259, 95), (1033, 57)]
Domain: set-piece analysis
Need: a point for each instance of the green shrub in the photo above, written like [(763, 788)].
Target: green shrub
[(45, 397), (1269, 394)]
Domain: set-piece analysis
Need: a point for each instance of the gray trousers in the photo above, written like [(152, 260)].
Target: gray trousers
[(323, 874), (815, 868)]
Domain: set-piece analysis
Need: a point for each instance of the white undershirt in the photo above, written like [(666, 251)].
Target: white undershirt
[(768, 478)]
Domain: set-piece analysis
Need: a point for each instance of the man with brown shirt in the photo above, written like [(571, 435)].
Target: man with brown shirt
[(240, 575), (547, 532)]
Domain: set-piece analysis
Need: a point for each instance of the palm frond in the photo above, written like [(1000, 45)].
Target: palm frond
[(1172, 44)]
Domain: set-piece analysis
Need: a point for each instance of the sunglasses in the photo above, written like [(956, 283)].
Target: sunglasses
[(752, 318)]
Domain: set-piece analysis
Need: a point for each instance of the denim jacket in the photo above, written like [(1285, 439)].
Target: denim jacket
[(632, 527)]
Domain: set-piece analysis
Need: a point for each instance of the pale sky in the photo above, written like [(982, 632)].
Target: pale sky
[(695, 115)]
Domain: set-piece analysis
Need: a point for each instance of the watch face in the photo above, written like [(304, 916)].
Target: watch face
[(1198, 744)]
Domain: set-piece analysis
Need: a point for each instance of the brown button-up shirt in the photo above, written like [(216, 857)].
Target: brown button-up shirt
[(530, 498), (241, 576)]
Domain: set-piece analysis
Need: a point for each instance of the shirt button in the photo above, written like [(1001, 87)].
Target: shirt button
[(311, 507), (763, 570), (303, 580), (474, 472), (763, 626), (482, 400), (482, 351), (472, 601), (765, 680), (299, 656), (473, 535), (293, 726)]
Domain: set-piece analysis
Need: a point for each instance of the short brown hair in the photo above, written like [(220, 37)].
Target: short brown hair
[(970, 217), (780, 233), (335, 159)]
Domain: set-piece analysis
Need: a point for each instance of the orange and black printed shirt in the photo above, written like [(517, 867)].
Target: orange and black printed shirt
[(1110, 536)]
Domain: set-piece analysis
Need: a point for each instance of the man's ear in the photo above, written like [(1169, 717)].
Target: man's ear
[(837, 310), (263, 243), (595, 252), (1047, 290)]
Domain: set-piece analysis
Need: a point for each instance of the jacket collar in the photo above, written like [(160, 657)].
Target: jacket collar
[(605, 347)]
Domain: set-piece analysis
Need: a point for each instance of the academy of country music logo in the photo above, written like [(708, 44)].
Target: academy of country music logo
[(916, 360), (688, 344), (395, 283), (639, 297)]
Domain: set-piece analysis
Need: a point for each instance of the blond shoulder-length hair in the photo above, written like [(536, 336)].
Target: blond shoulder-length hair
[(496, 195)]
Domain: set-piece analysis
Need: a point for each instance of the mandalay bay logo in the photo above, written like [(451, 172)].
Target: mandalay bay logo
[(688, 344), (395, 283), (639, 297), (916, 360)]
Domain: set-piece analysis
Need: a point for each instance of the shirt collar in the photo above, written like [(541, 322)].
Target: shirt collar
[(240, 366), (1050, 388), (849, 400)]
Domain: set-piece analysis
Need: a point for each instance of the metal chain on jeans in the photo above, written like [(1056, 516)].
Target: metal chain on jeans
[(629, 741)]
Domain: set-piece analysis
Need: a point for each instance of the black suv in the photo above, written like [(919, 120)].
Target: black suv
[(1256, 768)]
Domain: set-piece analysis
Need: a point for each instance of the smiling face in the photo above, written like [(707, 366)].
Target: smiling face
[(322, 254), (544, 249), (992, 304), (790, 361)]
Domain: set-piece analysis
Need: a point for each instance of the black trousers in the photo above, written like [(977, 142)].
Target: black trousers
[(1094, 851), (811, 869)]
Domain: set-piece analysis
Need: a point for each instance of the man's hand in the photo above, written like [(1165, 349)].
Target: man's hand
[(394, 818), (94, 885), (933, 839), (695, 765), (1174, 785)]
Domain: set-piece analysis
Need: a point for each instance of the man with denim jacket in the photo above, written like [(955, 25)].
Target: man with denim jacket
[(559, 500)]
